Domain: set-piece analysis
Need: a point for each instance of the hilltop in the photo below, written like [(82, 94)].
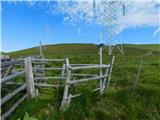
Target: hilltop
[(62, 49)]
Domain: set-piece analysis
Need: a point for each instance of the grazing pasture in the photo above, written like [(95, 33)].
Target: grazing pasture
[(120, 101)]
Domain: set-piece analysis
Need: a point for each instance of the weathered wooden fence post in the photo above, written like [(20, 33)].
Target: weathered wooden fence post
[(40, 49), (104, 81), (63, 71), (110, 72), (29, 77), (138, 73), (100, 63), (42, 57), (65, 99)]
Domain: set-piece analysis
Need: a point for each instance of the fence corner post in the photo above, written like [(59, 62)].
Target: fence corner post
[(101, 63), (135, 82), (65, 100), (110, 72), (29, 77)]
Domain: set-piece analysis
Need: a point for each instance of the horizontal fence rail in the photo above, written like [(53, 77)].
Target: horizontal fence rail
[(89, 67), (45, 78), (10, 95), (12, 62), (6, 114), (97, 89), (73, 96), (13, 83), (84, 75), (48, 68), (50, 60), (12, 76), (86, 79), (77, 95), (47, 85), (82, 64)]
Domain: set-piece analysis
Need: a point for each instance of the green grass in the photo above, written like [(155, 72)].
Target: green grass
[(120, 102), (152, 47)]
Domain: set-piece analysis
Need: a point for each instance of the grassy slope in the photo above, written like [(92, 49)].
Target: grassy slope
[(120, 102), (153, 47)]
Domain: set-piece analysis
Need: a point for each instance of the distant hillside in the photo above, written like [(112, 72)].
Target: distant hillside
[(58, 49), (85, 49), (153, 47)]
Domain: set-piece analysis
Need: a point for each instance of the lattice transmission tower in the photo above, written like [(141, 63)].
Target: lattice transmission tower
[(112, 9)]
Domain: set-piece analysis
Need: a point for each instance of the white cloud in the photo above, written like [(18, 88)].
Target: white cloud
[(138, 14), (143, 13), (76, 12)]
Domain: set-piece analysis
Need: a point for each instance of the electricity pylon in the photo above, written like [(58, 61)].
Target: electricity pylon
[(111, 14), (111, 11)]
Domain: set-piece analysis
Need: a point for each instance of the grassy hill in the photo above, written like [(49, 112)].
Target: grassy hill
[(120, 102), (152, 47), (62, 49)]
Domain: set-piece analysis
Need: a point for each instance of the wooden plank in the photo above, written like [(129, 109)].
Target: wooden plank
[(43, 71), (65, 102), (41, 50), (89, 67), (38, 66), (105, 79), (13, 83), (84, 75), (77, 95), (8, 71), (45, 78), (8, 63), (63, 71), (138, 73), (43, 62), (29, 77), (47, 85), (48, 68), (86, 79), (73, 96), (11, 76), (110, 72), (50, 60), (18, 69), (97, 89), (10, 95), (42, 57), (82, 64), (6, 114), (100, 72)]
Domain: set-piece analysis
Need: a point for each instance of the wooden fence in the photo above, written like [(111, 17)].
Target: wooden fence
[(10, 71), (35, 67), (103, 76), (40, 81), (67, 76), (9, 75)]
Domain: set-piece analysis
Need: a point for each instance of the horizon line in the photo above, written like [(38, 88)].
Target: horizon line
[(6, 52)]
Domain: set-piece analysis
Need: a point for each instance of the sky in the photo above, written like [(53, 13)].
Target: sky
[(25, 23)]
